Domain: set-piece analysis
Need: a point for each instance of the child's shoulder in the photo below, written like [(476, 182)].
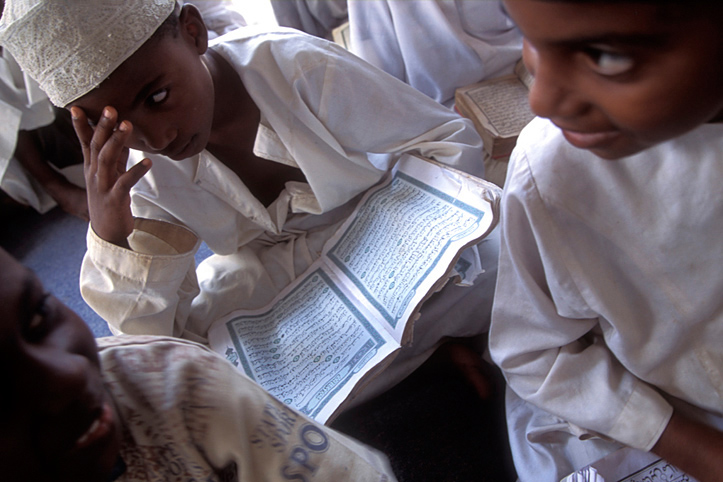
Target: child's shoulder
[(545, 160), (258, 35), (273, 50), (140, 348)]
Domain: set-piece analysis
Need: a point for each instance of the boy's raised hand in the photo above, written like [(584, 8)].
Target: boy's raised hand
[(107, 182)]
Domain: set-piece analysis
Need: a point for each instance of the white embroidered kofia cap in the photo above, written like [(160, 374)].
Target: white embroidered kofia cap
[(70, 46)]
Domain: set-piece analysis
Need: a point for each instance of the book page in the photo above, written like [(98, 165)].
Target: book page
[(524, 75), (406, 234), (343, 320), (309, 349), (631, 465)]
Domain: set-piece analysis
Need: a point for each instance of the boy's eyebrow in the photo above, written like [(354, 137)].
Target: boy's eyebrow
[(633, 40)]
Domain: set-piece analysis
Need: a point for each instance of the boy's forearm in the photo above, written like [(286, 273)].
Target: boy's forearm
[(30, 157), (695, 448)]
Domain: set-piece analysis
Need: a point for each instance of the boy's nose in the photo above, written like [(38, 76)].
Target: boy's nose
[(552, 94), (156, 138)]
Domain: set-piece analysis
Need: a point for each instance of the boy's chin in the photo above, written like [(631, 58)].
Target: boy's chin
[(609, 155)]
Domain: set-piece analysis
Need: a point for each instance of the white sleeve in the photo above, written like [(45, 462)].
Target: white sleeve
[(547, 340), (147, 289)]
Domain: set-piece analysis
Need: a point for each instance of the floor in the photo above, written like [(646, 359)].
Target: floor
[(433, 426)]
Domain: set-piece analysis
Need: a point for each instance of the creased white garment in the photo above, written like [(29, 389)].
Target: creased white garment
[(220, 16), (188, 414), (609, 298), (435, 46), (342, 123)]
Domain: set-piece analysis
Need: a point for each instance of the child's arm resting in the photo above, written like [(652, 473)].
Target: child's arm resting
[(71, 198), (107, 182), (695, 448)]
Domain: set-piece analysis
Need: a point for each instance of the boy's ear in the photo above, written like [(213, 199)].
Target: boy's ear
[(191, 24)]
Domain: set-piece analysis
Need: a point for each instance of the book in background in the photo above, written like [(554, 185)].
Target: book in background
[(499, 109)]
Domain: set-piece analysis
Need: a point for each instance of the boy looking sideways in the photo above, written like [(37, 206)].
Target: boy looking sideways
[(258, 144), (144, 408), (608, 323)]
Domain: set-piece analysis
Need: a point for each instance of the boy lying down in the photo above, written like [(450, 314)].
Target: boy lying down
[(144, 408)]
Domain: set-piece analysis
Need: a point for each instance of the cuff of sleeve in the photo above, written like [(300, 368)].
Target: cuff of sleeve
[(160, 251), (643, 419)]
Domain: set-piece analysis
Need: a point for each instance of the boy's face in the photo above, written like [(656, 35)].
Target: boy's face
[(165, 90), (56, 419), (619, 77)]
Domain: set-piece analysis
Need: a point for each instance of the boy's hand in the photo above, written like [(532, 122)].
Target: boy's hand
[(695, 448), (107, 182)]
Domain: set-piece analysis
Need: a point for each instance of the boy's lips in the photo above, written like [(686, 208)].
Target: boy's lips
[(98, 428), (182, 152), (590, 140)]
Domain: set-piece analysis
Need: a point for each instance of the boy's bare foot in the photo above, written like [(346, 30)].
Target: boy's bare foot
[(468, 362)]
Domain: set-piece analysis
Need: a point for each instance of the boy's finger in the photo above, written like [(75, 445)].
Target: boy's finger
[(104, 130), (112, 156), (83, 131), (122, 161), (133, 175)]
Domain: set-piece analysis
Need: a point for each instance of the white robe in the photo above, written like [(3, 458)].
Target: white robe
[(609, 309), (343, 124), (435, 46)]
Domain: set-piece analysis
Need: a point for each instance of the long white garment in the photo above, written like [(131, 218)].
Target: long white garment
[(609, 305), (220, 16), (323, 110), (435, 46), (23, 106), (188, 414)]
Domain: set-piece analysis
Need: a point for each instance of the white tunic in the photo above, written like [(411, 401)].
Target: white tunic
[(323, 110), (609, 305), (435, 46), (188, 414)]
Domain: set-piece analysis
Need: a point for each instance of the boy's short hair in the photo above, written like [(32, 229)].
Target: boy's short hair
[(70, 46)]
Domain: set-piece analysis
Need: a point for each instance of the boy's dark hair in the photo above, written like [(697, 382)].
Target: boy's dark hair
[(169, 25)]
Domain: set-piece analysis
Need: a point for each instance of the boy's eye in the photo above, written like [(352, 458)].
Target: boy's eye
[(159, 96), (35, 327), (609, 63)]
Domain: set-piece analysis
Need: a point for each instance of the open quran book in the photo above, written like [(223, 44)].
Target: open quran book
[(629, 465), (346, 317)]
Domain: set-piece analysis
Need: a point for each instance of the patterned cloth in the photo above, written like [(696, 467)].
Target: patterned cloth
[(76, 44), (188, 414)]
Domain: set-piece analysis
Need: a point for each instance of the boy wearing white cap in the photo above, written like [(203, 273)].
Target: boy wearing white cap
[(276, 130)]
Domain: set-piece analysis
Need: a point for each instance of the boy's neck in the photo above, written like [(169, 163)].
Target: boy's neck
[(236, 116)]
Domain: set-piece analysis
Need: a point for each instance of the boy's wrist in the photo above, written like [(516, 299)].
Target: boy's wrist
[(695, 448)]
